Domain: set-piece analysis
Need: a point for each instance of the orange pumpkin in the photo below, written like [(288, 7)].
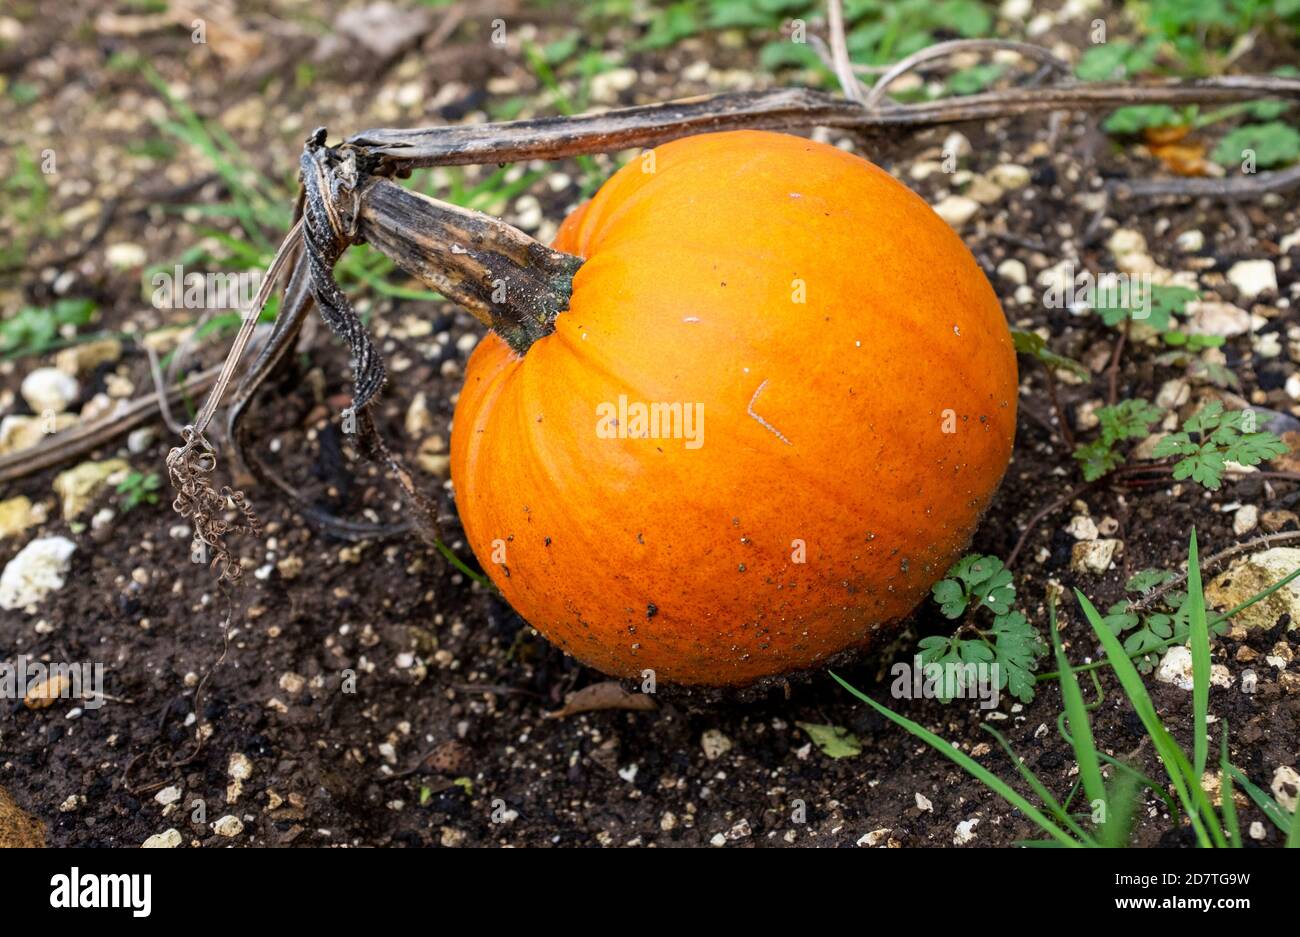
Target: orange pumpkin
[(780, 399)]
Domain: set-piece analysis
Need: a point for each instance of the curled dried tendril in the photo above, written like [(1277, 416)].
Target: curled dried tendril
[(209, 510)]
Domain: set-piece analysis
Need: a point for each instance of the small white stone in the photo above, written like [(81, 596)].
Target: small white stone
[(50, 390), (956, 144), (740, 830), (1176, 667), (924, 804), (1010, 175), (1245, 519), (228, 826), (1268, 345), (875, 837), (1130, 249), (125, 256), (419, 421), (1189, 242), (1016, 11), (1094, 556), (1285, 787), (1085, 415), (168, 839), (140, 440), (168, 795), (924, 169), (1220, 676), (1082, 527), (956, 210), (1013, 270), (1040, 25), (1292, 387), (697, 71), (605, 87), (1253, 277), (528, 212), (1249, 681), (965, 832), (983, 190), (240, 767), (37, 570), (715, 744), (1173, 394), (1217, 318)]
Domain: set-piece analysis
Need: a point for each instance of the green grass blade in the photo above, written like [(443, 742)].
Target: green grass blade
[(1085, 749), (1039, 788), (1199, 638), (1270, 807), (1228, 807), (1150, 784), (1121, 806), (1175, 761), (972, 767)]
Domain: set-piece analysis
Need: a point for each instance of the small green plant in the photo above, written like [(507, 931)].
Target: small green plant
[(1273, 144), (1128, 419), (1106, 817), (1220, 438), (877, 33), (1116, 60), (26, 192), (1148, 633), (1184, 352), (973, 80), (137, 489), (1199, 34), (671, 25), (1156, 311), (1128, 121), (976, 583), (34, 331), (1034, 345)]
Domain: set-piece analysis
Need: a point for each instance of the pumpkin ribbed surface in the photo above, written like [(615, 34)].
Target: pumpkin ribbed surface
[(857, 386)]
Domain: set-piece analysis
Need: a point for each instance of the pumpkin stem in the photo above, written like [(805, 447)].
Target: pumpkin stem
[(509, 281)]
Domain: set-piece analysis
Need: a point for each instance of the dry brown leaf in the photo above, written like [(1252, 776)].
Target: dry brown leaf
[(1164, 136), (607, 695), (1183, 159), (1180, 156)]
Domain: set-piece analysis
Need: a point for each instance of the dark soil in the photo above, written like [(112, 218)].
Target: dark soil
[(446, 739)]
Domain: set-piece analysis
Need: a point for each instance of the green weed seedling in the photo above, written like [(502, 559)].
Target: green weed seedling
[(1110, 804)]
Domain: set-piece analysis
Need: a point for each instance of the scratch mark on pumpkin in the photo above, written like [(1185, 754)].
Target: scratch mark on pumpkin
[(762, 422)]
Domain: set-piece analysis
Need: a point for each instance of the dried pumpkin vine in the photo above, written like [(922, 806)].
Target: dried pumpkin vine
[(517, 286)]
